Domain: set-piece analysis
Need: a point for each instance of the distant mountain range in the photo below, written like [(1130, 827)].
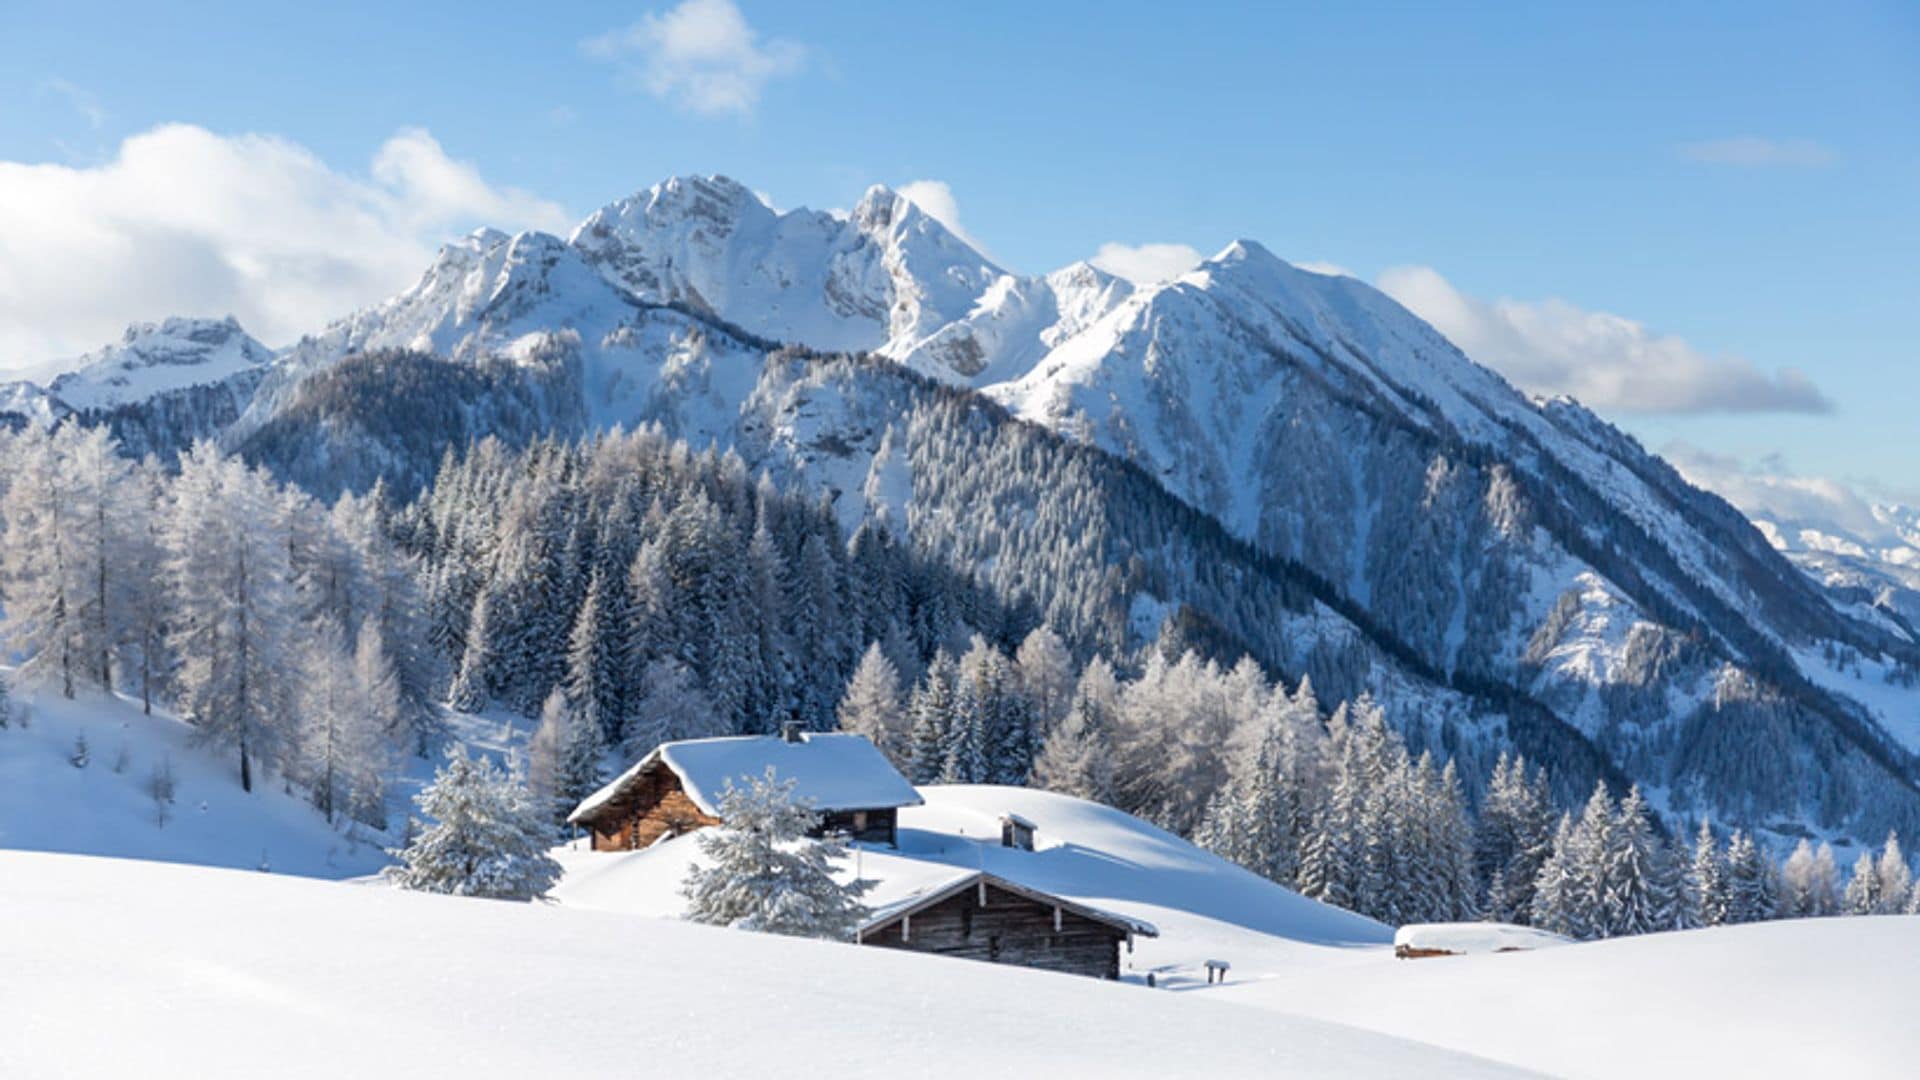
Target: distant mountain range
[(1500, 570)]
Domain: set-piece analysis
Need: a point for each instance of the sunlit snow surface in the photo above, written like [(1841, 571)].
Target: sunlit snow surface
[(122, 968)]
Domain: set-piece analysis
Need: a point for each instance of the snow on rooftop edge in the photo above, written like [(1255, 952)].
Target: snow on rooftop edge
[(965, 879), (832, 770)]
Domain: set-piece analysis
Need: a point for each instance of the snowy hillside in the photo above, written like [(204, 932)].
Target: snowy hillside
[(1204, 908), (201, 978), (1812, 997), (108, 806)]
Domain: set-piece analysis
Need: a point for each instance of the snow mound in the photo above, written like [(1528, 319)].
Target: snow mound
[(106, 808), (197, 975), (1472, 938), (1810, 997)]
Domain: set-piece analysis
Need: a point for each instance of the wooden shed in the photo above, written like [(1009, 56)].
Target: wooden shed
[(981, 916), (677, 788)]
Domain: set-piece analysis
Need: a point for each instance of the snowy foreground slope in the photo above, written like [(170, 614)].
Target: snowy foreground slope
[(107, 807), (1204, 907), (200, 976), (1800, 998)]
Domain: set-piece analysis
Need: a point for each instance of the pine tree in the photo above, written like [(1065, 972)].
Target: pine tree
[(1895, 877), (1750, 896), (872, 707), (1863, 888), (595, 664), (1046, 677), (227, 568), (1826, 882), (1556, 891), (767, 874), (546, 751), (486, 837), (1639, 897), (668, 706), (582, 760), (1802, 884), (472, 685), (1712, 901), (1077, 759), (932, 712)]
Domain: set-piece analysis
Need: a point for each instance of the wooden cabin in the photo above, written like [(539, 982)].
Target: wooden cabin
[(677, 788), (981, 916)]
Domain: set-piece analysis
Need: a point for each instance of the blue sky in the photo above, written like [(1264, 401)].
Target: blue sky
[(1738, 183)]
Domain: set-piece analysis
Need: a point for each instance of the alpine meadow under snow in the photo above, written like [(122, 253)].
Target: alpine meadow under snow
[(1240, 614)]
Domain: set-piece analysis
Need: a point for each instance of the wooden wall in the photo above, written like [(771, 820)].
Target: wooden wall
[(1009, 929), (653, 807)]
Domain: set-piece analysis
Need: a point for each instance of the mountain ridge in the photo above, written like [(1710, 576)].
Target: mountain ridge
[(1537, 551)]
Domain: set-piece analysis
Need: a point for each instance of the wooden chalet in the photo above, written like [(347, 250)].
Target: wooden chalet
[(677, 787), (981, 916)]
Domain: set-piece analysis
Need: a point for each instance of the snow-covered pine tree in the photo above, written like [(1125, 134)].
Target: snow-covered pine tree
[(472, 685), (766, 873), (546, 751), (871, 706), (43, 560), (1826, 882), (324, 701), (1076, 758), (228, 575), (1800, 890), (378, 720), (1711, 899), (1638, 896), (1046, 677), (145, 604), (1513, 837), (1863, 887), (582, 760), (1750, 896), (932, 712), (1896, 878), (485, 836), (669, 705), (596, 668), (1556, 889)]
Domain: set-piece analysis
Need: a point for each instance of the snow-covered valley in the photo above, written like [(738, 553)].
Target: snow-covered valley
[(201, 978)]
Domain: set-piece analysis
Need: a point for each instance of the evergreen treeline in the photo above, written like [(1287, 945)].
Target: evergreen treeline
[(285, 630), (630, 591)]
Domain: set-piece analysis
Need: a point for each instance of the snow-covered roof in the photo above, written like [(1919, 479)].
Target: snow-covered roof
[(933, 894), (1015, 819), (1468, 938), (833, 771)]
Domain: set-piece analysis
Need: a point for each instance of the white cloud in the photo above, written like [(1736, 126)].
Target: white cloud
[(701, 55), (1605, 360), (935, 198), (1770, 491), (183, 221), (1757, 152), (1146, 264)]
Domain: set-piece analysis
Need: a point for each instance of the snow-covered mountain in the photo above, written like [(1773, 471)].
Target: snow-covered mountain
[(1874, 564), (1491, 545), (159, 387)]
